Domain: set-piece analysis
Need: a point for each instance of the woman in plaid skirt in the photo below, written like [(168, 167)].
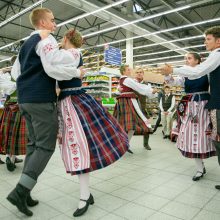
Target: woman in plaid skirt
[(12, 125), (194, 137), (127, 110), (89, 137)]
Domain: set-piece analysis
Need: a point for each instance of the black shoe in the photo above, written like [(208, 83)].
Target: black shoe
[(129, 151), (147, 147), (31, 202), (18, 198), (217, 187), (197, 177), (89, 201), (10, 166), (164, 137), (2, 162), (17, 160)]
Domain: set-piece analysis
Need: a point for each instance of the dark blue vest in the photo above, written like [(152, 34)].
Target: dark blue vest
[(73, 83), (214, 101), (34, 85), (198, 85)]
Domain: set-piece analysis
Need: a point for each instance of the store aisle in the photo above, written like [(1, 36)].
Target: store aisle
[(154, 185)]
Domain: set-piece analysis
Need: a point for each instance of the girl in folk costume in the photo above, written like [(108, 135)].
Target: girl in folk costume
[(194, 140), (127, 110), (89, 137), (13, 137)]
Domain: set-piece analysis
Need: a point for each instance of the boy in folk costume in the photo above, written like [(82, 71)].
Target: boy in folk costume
[(127, 110), (210, 66), (36, 84), (167, 105)]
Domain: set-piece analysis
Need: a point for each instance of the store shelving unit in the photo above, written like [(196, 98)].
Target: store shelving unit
[(101, 85)]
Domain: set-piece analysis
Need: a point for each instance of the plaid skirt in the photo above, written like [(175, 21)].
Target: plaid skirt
[(128, 118), (107, 141), (13, 136)]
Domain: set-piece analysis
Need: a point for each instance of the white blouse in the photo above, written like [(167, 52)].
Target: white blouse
[(58, 64)]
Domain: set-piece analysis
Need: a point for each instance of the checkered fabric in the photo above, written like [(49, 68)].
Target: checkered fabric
[(13, 135), (106, 139)]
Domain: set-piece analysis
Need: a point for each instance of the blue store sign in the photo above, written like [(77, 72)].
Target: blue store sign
[(112, 55)]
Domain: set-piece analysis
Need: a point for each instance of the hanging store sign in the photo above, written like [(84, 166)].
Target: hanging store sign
[(112, 55)]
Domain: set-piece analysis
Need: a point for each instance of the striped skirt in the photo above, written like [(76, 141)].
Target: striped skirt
[(128, 118), (97, 137), (194, 138), (13, 134)]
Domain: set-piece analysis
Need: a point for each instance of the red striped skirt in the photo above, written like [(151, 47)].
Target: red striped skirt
[(128, 118), (194, 139), (13, 134)]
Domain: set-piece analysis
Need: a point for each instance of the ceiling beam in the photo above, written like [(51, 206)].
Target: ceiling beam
[(116, 18)]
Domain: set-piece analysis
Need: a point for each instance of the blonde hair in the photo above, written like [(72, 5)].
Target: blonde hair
[(139, 68), (74, 37), (122, 68), (37, 14)]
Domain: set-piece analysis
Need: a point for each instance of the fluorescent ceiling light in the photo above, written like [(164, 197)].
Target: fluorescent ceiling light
[(159, 32), (161, 58), (73, 19), (167, 51), (7, 59), (8, 45), (138, 20), (91, 13), (155, 53), (21, 12), (167, 42)]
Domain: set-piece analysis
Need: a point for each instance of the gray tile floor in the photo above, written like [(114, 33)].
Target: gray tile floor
[(154, 185)]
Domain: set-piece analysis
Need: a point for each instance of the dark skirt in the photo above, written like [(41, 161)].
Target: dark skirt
[(13, 134), (128, 118)]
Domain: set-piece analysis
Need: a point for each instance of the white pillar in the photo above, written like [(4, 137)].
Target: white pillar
[(129, 43), (129, 49)]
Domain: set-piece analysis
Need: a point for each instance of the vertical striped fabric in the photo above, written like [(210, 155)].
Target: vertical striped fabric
[(194, 139), (73, 147)]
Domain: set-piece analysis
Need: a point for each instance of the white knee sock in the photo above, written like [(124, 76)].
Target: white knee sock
[(199, 164), (12, 158), (130, 134), (84, 188)]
